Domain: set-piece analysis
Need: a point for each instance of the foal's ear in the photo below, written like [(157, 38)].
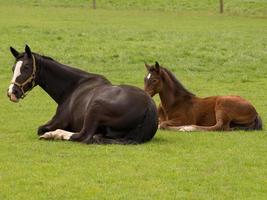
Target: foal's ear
[(157, 67), (147, 66), (14, 52), (28, 51)]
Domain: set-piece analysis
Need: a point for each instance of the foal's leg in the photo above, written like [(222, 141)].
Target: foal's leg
[(170, 123), (222, 124), (161, 114)]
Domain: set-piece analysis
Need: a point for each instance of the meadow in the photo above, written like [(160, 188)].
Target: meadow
[(211, 54)]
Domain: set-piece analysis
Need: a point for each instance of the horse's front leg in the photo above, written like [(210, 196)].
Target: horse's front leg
[(162, 114), (57, 122), (44, 128), (86, 134), (58, 134)]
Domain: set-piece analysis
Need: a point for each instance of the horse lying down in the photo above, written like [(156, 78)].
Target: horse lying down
[(181, 110), (90, 109)]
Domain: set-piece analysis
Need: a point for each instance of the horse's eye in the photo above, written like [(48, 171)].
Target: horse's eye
[(154, 81), (26, 67)]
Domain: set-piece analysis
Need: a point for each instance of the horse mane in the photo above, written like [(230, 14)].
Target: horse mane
[(36, 54), (47, 57), (177, 84), (43, 56), (73, 70)]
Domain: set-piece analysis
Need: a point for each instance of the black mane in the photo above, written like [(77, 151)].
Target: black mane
[(46, 57), (35, 54), (58, 80)]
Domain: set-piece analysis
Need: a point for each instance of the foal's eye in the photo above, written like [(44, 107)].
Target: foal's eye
[(154, 81)]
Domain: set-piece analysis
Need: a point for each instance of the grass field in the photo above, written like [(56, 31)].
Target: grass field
[(211, 54)]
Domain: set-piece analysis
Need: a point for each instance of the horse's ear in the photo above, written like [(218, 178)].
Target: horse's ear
[(14, 52), (28, 51), (157, 67), (147, 66)]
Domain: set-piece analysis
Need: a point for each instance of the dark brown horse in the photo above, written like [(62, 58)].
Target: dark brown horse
[(90, 109), (181, 110)]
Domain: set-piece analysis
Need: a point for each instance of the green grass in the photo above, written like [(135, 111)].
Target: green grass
[(234, 7), (211, 54)]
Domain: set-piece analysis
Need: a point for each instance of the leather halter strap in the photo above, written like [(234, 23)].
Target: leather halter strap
[(31, 79)]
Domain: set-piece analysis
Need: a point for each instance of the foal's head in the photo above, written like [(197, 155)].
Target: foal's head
[(24, 71), (153, 80)]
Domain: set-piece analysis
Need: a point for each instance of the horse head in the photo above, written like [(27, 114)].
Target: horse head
[(24, 73), (153, 80)]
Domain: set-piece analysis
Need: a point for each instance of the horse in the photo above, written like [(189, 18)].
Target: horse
[(90, 109), (181, 110)]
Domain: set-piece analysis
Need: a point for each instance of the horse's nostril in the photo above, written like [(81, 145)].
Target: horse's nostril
[(15, 92)]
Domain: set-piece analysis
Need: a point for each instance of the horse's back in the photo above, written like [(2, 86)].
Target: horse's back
[(235, 104)]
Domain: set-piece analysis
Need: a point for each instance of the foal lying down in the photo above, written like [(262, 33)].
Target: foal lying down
[(183, 111)]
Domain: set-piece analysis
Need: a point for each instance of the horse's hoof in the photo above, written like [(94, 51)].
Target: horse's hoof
[(45, 137), (42, 130), (161, 127)]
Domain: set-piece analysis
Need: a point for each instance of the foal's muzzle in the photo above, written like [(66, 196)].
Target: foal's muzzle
[(150, 92)]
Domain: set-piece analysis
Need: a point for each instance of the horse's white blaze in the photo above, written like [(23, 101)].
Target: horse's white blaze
[(58, 134), (148, 76), (10, 88), (15, 75)]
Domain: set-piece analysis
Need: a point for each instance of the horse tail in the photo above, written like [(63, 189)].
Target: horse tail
[(147, 127), (257, 123)]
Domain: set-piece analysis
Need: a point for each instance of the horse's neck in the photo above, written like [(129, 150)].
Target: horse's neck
[(57, 79), (173, 95)]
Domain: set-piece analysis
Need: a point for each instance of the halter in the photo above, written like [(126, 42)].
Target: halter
[(28, 80)]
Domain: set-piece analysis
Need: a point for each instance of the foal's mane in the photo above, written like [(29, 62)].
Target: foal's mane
[(178, 87)]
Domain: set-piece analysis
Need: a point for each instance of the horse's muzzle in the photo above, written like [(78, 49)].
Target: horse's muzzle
[(12, 97)]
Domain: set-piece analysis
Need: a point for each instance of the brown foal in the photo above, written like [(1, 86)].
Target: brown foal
[(183, 111)]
